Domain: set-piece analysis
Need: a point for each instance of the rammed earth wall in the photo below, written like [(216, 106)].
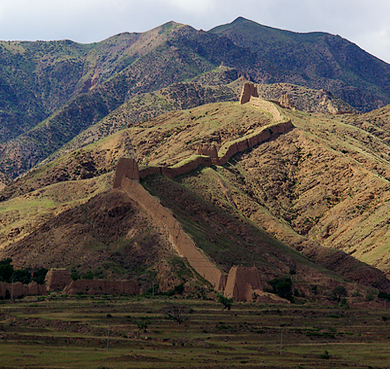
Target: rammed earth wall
[(181, 242), (242, 282), (128, 167), (101, 287), (17, 289)]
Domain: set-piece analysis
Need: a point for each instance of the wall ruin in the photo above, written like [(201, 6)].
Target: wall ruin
[(181, 242), (101, 287), (17, 290), (57, 279), (242, 283), (248, 90)]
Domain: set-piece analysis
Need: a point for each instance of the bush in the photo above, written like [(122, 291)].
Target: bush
[(40, 275), (338, 293), (88, 275), (325, 355), (225, 301), (282, 287), (6, 270), (176, 312)]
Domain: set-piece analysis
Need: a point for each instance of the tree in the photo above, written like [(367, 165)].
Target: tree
[(22, 275), (6, 270), (225, 301), (338, 293), (143, 324), (74, 274), (40, 275), (282, 287), (176, 312)]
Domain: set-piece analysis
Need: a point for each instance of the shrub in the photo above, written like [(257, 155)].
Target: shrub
[(282, 287), (40, 275), (338, 292), (6, 270), (325, 355), (74, 274), (88, 275), (176, 312), (225, 301)]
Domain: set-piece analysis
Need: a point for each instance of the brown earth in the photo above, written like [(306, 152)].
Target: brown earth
[(109, 235), (324, 183)]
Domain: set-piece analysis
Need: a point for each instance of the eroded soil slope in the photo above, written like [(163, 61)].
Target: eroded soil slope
[(322, 188), (325, 180)]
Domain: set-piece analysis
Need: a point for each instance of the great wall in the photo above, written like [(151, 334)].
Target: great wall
[(60, 280), (241, 283)]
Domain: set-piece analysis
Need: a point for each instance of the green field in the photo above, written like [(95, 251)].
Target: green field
[(65, 332)]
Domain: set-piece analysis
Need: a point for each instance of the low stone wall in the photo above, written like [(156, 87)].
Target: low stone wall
[(18, 289), (224, 155), (101, 287), (259, 136), (181, 242)]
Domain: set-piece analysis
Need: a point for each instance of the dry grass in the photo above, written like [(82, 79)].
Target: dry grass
[(72, 333)]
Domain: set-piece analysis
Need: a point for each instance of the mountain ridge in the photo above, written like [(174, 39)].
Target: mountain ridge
[(49, 85)]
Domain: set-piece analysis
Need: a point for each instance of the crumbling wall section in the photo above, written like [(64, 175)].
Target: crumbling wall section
[(242, 282), (57, 279), (181, 242), (126, 167), (101, 287), (248, 90), (17, 290), (259, 136), (267, 107)]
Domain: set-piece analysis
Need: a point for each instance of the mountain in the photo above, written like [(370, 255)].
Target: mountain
[(310, 202), (316, 60), (291, 205), (54, 91)]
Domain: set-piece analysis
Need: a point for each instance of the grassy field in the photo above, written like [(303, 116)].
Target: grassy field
[(65, 332)]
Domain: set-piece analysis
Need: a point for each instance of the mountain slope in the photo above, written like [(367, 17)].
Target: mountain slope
[(53, 91), (306, 189), (316, 60)]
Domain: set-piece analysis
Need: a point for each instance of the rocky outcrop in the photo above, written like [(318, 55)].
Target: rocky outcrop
[(17, 290), (57, 279), (101, 287)]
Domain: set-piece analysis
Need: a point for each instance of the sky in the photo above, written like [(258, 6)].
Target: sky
[(365, 23)]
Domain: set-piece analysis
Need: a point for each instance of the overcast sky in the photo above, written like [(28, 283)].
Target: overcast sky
[(365, 23)]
